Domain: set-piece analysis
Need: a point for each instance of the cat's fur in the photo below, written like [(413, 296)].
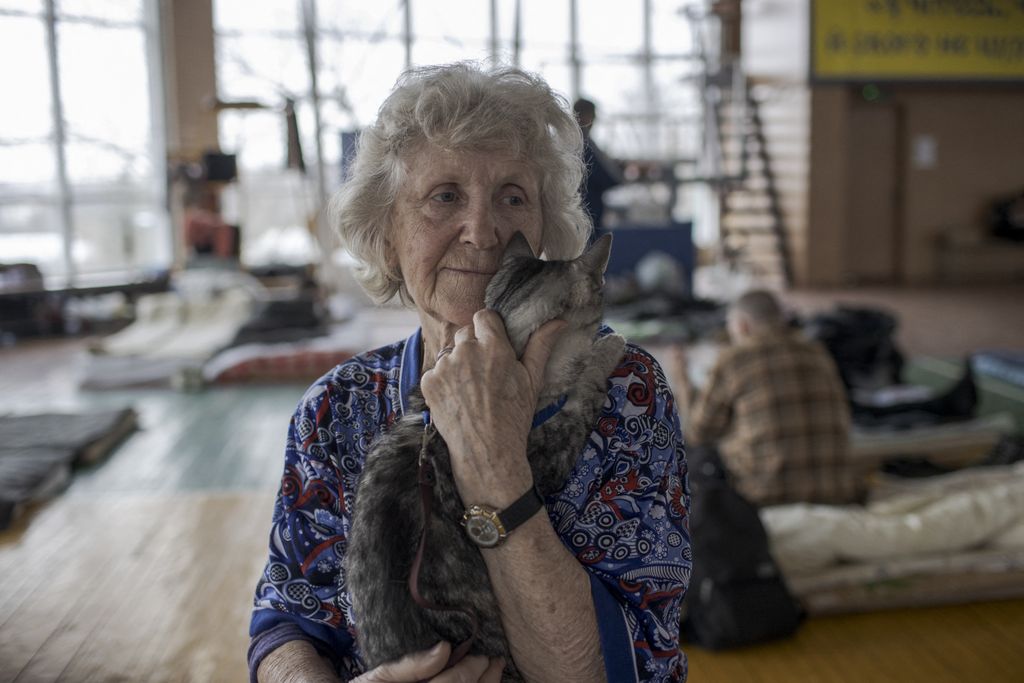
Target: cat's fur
[(387, 521)]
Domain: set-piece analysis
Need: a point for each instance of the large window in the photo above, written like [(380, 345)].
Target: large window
[(632, 57), (81, 141)]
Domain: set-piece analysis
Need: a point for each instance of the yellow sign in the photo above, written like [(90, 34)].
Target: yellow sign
[(917, 39)]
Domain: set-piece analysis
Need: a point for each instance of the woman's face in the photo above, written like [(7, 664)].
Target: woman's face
[(451, 220)]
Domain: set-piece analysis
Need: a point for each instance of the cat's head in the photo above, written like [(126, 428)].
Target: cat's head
[(527, 291)]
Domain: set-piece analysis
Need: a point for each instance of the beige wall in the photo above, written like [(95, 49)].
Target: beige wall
[(889, 178), (979, 155), (826, 185), (866, 212), (190, 90), (873, 244), (190, 77)]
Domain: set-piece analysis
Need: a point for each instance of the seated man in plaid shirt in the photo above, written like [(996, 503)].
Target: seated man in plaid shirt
[(775, 409)]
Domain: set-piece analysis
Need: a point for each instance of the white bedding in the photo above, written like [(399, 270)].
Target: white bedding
[(974, 509)]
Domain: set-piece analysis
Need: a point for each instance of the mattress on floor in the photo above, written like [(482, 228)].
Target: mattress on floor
[(171, 352), (157, 316), (88, 436), (31, 475), (298, 361), (954, 443), (955, 537), (37, 452), (209, 326), (275, 363), (169, 326), (953, 579), (174, 333), (121, 372)]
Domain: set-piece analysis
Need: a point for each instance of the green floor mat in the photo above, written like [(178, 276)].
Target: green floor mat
[(995, 396)]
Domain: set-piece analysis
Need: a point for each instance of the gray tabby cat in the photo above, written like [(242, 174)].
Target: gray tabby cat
[(387, 521)]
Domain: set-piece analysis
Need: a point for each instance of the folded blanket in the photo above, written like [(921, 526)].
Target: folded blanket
[(935, 519)]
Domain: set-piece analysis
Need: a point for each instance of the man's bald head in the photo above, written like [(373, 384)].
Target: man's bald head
[(755, 312)]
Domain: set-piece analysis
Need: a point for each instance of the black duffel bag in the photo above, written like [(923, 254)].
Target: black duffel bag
[(737, 595)]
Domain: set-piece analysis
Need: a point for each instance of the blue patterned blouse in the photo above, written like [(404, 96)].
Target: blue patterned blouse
[(622, 513)]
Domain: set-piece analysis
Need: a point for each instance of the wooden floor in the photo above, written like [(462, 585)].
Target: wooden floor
[(947, 322), (132, 587), (961, 644), (144, 569)]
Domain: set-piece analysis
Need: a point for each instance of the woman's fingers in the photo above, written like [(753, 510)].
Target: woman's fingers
[(428, 665), (538, 350), (416, 666), (464, 334), (482, 400), (469, 670), (493, 673), (448, 334), (488, 326)]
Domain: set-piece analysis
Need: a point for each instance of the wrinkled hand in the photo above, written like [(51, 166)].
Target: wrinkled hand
[(428, 664), (482, 399)]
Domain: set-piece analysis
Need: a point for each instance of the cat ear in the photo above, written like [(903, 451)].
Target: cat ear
[(595, 259), (519, 247)]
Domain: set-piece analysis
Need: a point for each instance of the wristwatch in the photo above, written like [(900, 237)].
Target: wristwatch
[(487, 527)]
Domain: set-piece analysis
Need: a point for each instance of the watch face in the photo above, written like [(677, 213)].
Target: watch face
[(483, 531)]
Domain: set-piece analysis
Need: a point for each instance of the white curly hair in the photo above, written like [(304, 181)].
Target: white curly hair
[(461, 107)]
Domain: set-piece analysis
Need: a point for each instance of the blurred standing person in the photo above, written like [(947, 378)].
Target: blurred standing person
[(602, 173), (208, 239)]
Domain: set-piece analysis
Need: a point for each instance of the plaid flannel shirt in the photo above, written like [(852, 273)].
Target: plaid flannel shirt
[(775, 407)]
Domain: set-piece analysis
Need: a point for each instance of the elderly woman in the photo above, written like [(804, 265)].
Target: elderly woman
[(459, 160)]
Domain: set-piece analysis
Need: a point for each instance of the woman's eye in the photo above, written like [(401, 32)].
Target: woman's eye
[(514, 200), (446, 197)]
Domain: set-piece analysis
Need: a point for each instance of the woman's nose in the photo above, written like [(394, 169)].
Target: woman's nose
[(479, 225)]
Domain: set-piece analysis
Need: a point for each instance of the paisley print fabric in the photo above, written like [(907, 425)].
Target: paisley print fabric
[(622, 513)]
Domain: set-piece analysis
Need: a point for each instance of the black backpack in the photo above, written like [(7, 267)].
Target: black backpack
[(737, 595), (862, 341)]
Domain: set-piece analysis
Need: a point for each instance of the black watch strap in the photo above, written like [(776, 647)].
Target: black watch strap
[(522, 509)]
